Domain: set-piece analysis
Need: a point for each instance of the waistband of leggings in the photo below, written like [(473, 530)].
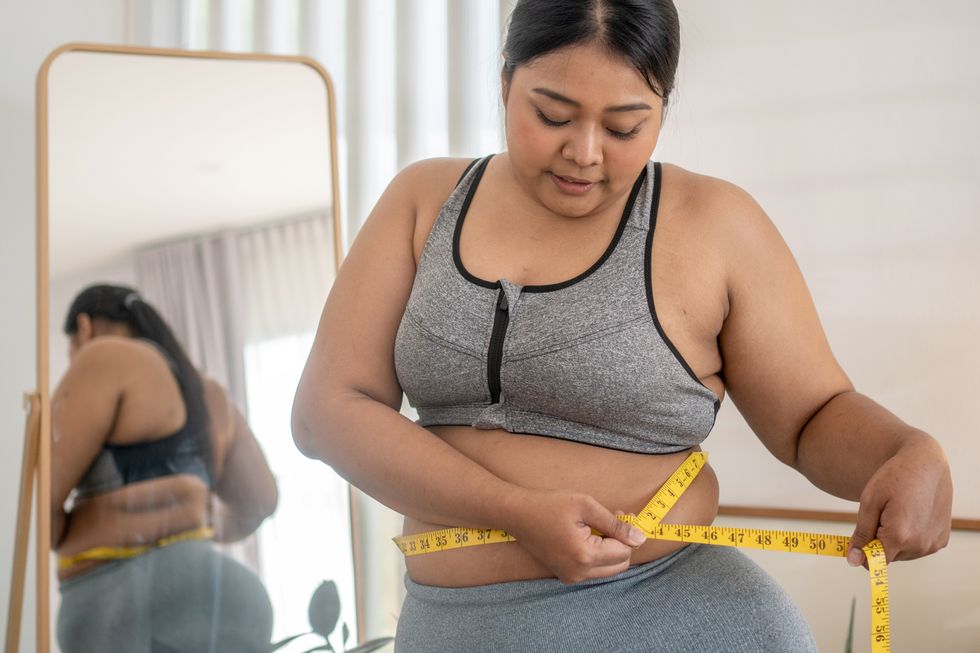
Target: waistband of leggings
[(530, 589)]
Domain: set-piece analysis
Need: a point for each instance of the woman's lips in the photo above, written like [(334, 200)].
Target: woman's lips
[(570, 186)]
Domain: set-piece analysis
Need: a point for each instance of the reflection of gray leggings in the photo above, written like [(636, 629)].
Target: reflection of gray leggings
[(186, 597), (701, 599)]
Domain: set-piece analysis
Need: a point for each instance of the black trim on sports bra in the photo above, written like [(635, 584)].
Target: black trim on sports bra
[(457, 259), (471, 191), (469, 166), (648, 280)]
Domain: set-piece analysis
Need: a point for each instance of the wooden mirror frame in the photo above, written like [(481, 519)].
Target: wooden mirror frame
[(37, 442)]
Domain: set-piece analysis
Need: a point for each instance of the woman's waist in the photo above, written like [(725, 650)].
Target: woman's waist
[(98, 527), (619, 480), (196, 544)]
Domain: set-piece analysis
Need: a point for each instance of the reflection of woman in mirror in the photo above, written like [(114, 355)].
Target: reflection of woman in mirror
[(151, 460), (564, 362)]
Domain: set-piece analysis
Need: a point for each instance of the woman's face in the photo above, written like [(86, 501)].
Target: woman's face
[(581, 125)]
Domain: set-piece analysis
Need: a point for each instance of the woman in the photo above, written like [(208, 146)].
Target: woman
[(150, 461), (566, 316)]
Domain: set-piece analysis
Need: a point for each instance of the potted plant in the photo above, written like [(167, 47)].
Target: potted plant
[(324, 614)]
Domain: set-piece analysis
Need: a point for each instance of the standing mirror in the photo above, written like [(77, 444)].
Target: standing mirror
[(192, 195)]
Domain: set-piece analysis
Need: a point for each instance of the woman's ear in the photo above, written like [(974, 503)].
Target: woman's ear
[(84, 328), (504, 86)]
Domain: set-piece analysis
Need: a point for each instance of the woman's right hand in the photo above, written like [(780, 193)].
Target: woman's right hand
[(556, 527)]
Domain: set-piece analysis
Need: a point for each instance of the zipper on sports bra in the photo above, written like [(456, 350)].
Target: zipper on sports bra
[(495, 352)]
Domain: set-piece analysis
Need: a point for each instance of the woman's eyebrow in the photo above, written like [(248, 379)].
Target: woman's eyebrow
[(554, 95)]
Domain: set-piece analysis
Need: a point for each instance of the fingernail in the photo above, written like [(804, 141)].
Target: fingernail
[(855, 557), (636, 536)]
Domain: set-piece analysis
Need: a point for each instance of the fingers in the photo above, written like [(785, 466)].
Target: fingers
[(598, 558), (598, 572), (606, 522), (606, 550), (906, 504), (578, 538), (865, 530), (907, 537)]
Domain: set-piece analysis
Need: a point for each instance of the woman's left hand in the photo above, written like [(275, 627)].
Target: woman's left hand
[(906, 504)]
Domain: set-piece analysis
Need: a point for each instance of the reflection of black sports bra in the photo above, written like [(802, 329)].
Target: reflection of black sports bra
[(121, 464)]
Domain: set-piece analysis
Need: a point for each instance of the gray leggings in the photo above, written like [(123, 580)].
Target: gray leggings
[(183, 598), (701, 599)]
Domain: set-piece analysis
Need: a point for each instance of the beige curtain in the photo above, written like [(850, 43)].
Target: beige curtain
[(223, 291), (195, 286)]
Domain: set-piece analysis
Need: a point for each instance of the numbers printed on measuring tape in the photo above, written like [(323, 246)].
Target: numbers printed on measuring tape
[(649, 520), (791, 541), (450, 538)]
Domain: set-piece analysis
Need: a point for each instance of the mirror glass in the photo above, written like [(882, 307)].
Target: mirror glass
[(198, 194)]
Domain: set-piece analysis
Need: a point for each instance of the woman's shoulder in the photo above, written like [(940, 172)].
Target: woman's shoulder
[(120, 363), (427, 184), (706, 195), (430, 180), (714, 206), (120, 352)]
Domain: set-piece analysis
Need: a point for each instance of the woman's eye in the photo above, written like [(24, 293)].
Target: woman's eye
[(548, 121), (624, 136)]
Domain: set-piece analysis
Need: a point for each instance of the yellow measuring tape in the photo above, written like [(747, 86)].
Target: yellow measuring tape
[(123, 552), (649, 520)]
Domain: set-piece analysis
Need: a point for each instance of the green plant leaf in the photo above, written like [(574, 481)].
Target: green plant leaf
[(372, 645), (282, 642), (325, 609), (325, 647), (849, 644)]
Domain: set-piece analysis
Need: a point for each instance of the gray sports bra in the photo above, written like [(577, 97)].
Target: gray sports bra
[(583, 360)]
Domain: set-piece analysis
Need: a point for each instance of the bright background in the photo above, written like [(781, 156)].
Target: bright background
[(853, 124)]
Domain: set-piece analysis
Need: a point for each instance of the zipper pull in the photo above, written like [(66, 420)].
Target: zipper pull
[(503, 305)]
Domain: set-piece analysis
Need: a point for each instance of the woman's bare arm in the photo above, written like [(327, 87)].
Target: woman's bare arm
[(83, 410), (783, 377), (245, 491), (346, 407)]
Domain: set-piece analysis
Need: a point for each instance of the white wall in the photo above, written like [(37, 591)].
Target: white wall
[(854, 125), (28, 32)]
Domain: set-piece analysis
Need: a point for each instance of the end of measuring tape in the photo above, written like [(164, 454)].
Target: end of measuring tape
[(878, 571)]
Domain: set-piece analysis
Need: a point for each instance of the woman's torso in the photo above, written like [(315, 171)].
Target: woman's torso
[(150, 409), (691, 304)]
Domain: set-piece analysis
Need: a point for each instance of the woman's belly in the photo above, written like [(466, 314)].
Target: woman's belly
[(619, 480)]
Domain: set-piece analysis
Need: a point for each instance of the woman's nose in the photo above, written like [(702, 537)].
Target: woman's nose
[(584, 148)]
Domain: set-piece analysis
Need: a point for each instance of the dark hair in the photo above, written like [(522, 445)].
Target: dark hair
[(644, 32), (125, 305)]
